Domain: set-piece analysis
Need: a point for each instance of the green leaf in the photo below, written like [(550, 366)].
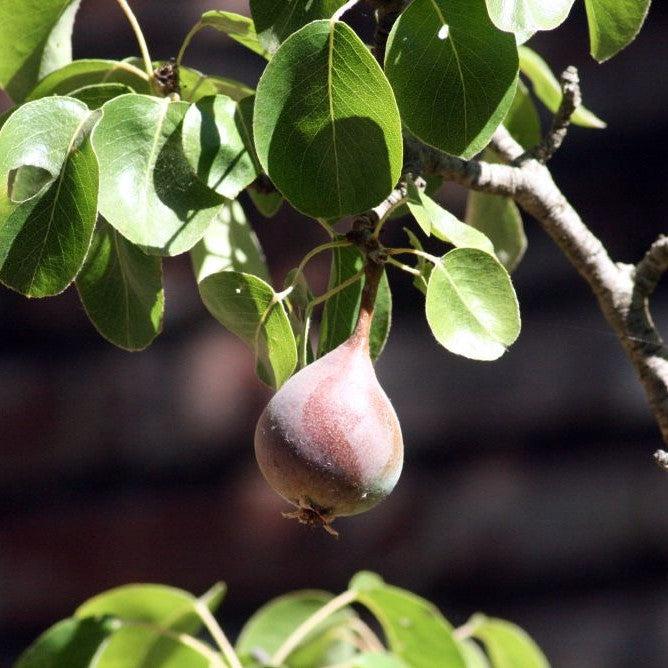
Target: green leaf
[(614, 24), (437, 221), (81, 73), (500, 220), (35, 39), (139, 647), (248, 307), (342, 309), (148, 190), (528, 16), (229, 243), (453, 72), (416, 631), (96, 95), (547, 89), (267, 203), (377, 660), (218, 144), (423, 266), (471, 305), (195, 86), (474, 657), (72, 643), (508, 645), (121, 290), (276, 21), (523, 121), (297, 302), (272, 624), (326, 125), (240, 28), (48, 195)]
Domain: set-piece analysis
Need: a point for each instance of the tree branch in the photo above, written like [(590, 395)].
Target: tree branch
[(622, 290)]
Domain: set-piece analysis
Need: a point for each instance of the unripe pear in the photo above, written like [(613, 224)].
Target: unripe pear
[(329, 441)]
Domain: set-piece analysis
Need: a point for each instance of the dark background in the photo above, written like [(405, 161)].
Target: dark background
[(528, 492)]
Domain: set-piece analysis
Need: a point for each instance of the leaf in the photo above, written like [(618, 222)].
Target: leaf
[(72, 643), (195, 86), (437, 221), (218, 144), (121, 290), (547, 88), (148, 191), (326, 126), (139, 647), (528, 16), (453, 72), (96, 95), (500, 220), (272, 624), (377, 660), (474, 657), (523, 121), (341, 310), (422, 265), (267, 203), (471, 305), (276, 21), (247, 306), (614, 24), (416, 631), (229, 243), (34, 40), (240, 28), (81, 73), (507, 645), (48, 195)]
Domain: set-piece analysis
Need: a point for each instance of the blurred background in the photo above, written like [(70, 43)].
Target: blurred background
[(529, 490)]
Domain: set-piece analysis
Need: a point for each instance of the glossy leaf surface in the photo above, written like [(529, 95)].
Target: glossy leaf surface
[(508, 645), (528, 16), (240, 28)]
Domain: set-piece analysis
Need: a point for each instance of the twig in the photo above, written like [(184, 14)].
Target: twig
[(217, 634), (141, 40), (651, 268)]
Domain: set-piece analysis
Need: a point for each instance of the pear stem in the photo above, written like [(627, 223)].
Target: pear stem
[(373, 272)]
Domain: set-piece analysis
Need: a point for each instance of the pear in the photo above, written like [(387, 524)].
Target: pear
[(329, 441)]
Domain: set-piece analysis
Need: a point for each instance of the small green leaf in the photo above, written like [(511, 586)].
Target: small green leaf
[(377, 660), (508, 645), (297, 303), (48, 195), (272, 624), (614, 24), (248, 307), (148, 190), (453, 72), (72, 643), (276, 21), (547, 89), (523, 121), (267, 203), (121, 290), (474, 657), (439, 222), (218, 144), (342, 309), (423, 266), (326, 126), (471, 305), (501, 221), (95, 95), (81, 73), (416, 631), (229, 243), (195, 86), (240, 28), (35, 39), (528, 16)]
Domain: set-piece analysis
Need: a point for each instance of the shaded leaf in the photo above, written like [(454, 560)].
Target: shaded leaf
[(508, 645), (195, 86), (96, 95), (148, 191), (471, 305), (422, 265), (121, 290), (229, 243), (34, 40), (326, 126), (218, 144), (72, 643), (416, 631), (240, 28), (614, 24), (453, 72), (248, 307), (523, 121), (48, 195), (267, 203), (276, 21), (528, 16), (547, 88)]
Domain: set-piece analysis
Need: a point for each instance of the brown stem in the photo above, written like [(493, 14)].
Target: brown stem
[(373, 272)]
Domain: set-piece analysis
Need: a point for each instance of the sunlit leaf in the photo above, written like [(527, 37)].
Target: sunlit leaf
[(528, 16), (240, 28)]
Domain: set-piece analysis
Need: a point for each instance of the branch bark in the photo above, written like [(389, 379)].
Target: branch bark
[(622, 290)]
